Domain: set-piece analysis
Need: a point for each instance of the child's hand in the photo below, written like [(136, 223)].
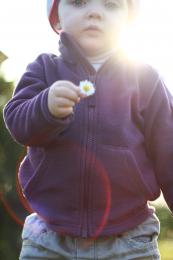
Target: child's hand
[(62, 97)]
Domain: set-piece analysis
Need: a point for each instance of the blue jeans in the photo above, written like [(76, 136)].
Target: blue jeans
[(41, 243)]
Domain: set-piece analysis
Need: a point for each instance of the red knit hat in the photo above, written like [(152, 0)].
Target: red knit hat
[(52, 12)]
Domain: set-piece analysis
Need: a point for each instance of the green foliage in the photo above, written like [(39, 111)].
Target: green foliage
[(9, 150), (10, 234), (166, 222), (166, 249), (10, 154)]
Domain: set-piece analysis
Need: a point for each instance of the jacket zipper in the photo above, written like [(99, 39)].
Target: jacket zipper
[(88, 150), (89, 147)]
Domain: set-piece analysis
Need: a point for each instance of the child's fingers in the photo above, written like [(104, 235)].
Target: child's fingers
[(63, 112), (67, 84), (64, 102), (68, 93)]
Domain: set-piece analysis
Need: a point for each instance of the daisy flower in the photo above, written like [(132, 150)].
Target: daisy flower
[(87, 87)]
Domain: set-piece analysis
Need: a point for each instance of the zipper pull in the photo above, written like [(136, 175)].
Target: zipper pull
[(92, 99)]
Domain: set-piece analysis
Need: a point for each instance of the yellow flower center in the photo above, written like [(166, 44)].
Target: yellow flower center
[(86, 88)]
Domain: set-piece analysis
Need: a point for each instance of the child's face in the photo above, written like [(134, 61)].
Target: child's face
[(95, 24)]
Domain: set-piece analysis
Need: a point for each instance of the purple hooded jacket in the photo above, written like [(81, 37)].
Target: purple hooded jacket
[(93, 172)]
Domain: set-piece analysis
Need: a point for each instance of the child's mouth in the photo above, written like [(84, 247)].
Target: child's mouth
[(93, 28)]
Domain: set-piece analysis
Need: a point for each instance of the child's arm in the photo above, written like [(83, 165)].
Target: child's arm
[(33, 115), (158, 130)]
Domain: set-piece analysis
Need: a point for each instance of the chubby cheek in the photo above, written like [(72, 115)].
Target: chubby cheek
[(67, 21), (91, 45), (68, 27), (114, 32), (71, 27)]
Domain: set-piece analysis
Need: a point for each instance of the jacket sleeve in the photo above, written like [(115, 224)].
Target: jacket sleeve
[(158, 130), (26, 115)]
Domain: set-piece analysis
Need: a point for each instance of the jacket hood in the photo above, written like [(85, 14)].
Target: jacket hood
[(70, 50), (52, 12)]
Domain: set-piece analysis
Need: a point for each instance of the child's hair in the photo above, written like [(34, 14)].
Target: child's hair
[(52, 11)]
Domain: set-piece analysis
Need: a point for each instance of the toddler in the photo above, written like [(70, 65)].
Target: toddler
[(99, 135)]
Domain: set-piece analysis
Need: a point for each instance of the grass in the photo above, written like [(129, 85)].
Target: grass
[(166, 249)]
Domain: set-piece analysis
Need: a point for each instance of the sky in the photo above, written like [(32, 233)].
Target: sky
[(25, 33)]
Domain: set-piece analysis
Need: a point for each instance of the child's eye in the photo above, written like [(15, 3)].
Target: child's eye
[(112, 4), (79, 3)]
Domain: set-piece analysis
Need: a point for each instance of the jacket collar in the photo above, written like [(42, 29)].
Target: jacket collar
[(69, 49), (72, 53)]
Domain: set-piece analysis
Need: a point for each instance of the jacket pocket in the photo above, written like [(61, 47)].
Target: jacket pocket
[(125, 177), (135, 172)]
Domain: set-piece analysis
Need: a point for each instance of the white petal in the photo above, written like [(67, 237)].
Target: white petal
[(90, 85)]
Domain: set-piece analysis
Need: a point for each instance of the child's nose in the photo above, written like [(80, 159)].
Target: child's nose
[(95, 11), (94, 14)]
